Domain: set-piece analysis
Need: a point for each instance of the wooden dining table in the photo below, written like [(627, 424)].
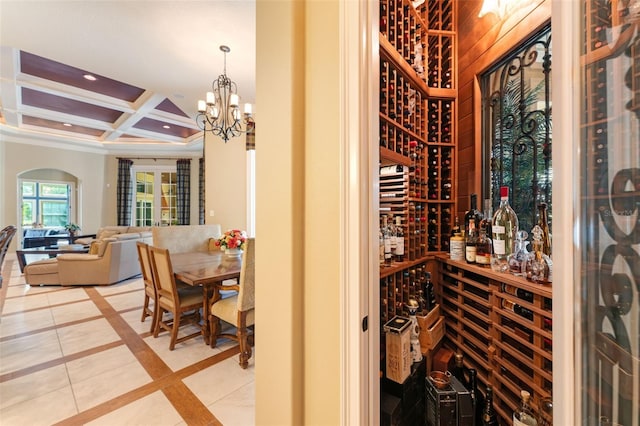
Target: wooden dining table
[(205, 269)]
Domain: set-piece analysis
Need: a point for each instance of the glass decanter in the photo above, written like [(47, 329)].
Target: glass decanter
[(540, 265), (518, 259)]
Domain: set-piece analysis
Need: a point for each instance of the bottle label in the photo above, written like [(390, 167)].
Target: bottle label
[(499, 246), (470, 253), (399, 246), (387, 248), (517, 422), (456, 248), (498, 229), (483, 259)]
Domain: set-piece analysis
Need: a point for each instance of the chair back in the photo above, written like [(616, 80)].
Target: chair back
[(246, 294), (164, 279), (6, 235), (145, 263)]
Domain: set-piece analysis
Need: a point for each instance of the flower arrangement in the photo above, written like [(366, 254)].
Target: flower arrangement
[(232, 239), (72, 227)]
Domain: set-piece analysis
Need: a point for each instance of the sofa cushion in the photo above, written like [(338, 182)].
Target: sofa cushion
[(98, 247), (127, 236), (106, 233)]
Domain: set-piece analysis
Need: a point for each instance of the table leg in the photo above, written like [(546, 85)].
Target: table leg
[(21, 260), (206, 298)]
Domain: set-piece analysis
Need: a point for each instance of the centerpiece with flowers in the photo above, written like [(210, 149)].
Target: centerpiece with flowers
[(232, 241)]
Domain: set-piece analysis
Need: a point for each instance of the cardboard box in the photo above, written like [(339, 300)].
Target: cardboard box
[(429, 337), (398, 346)]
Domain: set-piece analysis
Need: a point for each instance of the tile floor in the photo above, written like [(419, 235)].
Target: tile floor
[(81, 355)]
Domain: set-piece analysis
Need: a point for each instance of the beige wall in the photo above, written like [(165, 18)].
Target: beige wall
[(88, 168), (298, 263), (226, 182), (97, 181)]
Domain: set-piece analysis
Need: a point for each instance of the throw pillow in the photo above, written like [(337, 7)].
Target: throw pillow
[(106, 233)]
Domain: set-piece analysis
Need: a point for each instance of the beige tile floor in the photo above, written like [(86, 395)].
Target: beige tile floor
[(81, 355)]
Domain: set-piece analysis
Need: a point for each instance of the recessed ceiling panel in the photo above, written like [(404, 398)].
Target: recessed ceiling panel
[(50, 124), (170, 107), (161, 127), (68, 106), (55, 71)]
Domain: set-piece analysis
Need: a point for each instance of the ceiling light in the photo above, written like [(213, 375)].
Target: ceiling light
[(89, 77), (498, 7), (66, 124), (166, 126), (220, 113)]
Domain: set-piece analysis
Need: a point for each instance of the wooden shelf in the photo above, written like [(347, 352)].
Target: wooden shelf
[(503, 326)]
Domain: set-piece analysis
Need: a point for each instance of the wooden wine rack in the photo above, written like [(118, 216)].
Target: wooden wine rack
[(503, 326)]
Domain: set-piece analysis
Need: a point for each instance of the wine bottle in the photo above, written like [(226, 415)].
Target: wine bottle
[(473, 213), (386, 241), (470, 242), (429, 293), (476, 396), (504, 227), (517, 309), (399, 254), (523, 416), (489, 416), (456, 227), (457, 370)]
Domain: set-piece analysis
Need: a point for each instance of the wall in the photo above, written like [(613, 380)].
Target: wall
[(87, 167), (226, 182), (97, 181), (481, 42), (298, 214)]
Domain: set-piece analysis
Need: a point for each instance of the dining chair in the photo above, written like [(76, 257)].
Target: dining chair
[(149, 285), (182, 303), (237, 309)]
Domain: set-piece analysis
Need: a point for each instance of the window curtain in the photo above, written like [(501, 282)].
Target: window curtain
[(125, 192), (183, 191), (201, 193)]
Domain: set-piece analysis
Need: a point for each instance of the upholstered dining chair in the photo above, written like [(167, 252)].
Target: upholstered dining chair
[(149, 285), (182, 303), (239, 309)]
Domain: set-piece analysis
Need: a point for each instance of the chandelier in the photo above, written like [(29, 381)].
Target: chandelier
[(220, 113)]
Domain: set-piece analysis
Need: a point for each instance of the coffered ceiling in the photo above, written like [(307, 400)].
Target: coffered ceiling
[(150, 62)]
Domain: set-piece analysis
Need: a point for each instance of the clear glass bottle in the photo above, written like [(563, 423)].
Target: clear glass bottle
[(470, 242), (456, 227), (540, 266), (518, 259), (523, 416), (504, 228), (399, 253), (543, 223), (484, 246)]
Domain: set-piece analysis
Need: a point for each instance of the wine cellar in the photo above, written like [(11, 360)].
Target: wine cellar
[(500, 323)]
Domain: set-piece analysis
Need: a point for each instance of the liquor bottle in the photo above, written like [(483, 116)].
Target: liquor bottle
[(381, 246), (518, 260), (456, 227), (488, 216), (473, 213), (386, 241), (457, 370), (523, 416), (543, 223), (484, 246), (504, 227), (456, 247), (470, 242), (399, 254), (429, 293), (540, 266), (476, 396), (489, 416)]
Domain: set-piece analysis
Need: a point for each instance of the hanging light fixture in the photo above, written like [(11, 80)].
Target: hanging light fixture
[(498, 7), (220, 112)]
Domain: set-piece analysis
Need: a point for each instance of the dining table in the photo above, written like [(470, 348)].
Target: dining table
[(205, 269)]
